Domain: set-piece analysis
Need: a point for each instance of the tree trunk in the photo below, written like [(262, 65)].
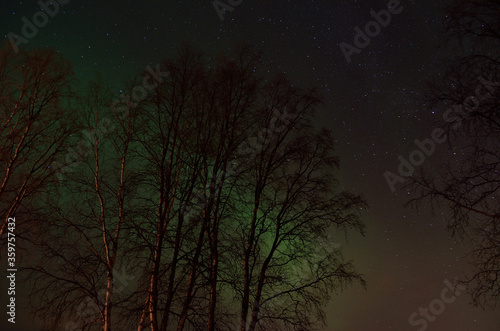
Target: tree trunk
[(108, 304), (192, 280), (246, 264), (171, 280), (153, 287), (213, 291)]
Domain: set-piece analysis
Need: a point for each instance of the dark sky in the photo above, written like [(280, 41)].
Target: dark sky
[(373, 105)]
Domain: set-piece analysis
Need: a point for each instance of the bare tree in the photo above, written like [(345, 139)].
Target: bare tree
[(91, 218), (468, 182), (291, 200), (166, 148), (215, 188), (34, 125)]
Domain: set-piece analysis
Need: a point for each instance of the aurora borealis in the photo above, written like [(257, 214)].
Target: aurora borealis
[(373, 105)]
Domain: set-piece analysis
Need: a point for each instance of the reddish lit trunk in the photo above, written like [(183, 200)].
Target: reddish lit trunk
[(108, 304)]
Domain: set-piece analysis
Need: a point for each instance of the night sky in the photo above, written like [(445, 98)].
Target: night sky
[(373, 105)]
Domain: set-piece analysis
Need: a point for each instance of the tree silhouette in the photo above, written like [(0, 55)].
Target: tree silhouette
[(213, 189), (34, 124), (89, 220), (468, 183)]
